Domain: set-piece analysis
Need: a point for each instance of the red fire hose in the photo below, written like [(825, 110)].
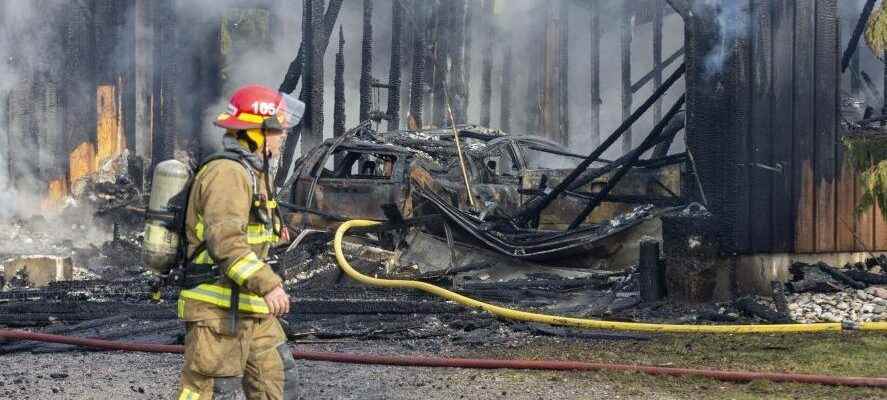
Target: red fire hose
[(729, 376)]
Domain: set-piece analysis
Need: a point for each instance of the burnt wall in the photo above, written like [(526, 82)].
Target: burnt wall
[(762, 90)]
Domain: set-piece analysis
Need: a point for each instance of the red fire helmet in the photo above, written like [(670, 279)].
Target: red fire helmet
[(257, 106)]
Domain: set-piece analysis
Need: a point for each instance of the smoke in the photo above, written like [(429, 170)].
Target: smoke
[(24, 45), (200, 23), (732, 20)]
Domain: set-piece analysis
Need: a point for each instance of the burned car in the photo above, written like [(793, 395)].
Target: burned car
[(366, 175)]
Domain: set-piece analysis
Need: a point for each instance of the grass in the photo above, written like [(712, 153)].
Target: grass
[(848, 354)]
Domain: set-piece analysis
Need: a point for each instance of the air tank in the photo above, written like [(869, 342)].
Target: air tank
[(165, 213)]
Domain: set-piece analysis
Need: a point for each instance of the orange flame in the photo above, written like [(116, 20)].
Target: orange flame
[(56, 193)]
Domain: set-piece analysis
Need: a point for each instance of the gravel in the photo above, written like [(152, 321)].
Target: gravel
[(94, 375), (860, 305)]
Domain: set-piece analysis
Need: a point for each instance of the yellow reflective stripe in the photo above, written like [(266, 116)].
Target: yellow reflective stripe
[(257, 234), (221, 296), (180, 307), (199, 228), (188, 394), (203, 258), (244, 268)]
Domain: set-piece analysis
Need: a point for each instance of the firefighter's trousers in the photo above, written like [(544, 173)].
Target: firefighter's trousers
[(257, 359)]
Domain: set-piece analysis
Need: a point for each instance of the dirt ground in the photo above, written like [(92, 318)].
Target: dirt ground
[(94, 375)]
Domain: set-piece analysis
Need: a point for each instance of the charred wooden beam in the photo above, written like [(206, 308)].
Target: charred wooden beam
[(533, 207), (366, 69), (441, 52), (78, 90), (857, 33), (487, 73), (457, 87), (394, 69), (167, 69), (294, 72), (658, 16), (417, 85), (625, 38), (430, 10), (855, 76), (652, 74), (312, 124), (339, 88), (634, 155), (507, 83), (468, 43), (595, 66), (296, 69), (563, 113), (755, 309)]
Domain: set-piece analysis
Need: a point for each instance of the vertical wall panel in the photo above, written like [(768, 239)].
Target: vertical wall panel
[(761, 134), (826, 101), (782, 216), (803, 164)]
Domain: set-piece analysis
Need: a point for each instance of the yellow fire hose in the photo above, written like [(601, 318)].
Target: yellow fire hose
[(578, 322)]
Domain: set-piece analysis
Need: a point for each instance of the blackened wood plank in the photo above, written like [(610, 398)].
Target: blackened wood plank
[(826, 102), (761, 148), (783, 126), (739, 157), (802, 182)]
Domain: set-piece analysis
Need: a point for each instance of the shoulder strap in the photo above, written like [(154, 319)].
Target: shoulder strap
[(230, 155), (221, 155)]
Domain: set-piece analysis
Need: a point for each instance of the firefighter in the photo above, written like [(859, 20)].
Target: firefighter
[(231, 298)]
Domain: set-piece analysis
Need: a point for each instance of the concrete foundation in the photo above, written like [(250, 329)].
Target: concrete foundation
[(755, 272), (41, 270)]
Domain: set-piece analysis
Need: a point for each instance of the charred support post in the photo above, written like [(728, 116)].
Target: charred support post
[(417, 86), (312, 125), (166, 67), (293, 75), (486, 97), (466, 53), (595, 73), (366, 69), (658, 15), (429, 10), (694, 272), (294, 72), (78, 91), (563, 77), (625, 38), (458, 89), (339, 88), (652, 273), (441, 16), (394, 70), (507, 83)]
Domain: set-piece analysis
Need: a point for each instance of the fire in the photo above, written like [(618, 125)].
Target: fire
[(109, 136), (56, 193), (81, 162)]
